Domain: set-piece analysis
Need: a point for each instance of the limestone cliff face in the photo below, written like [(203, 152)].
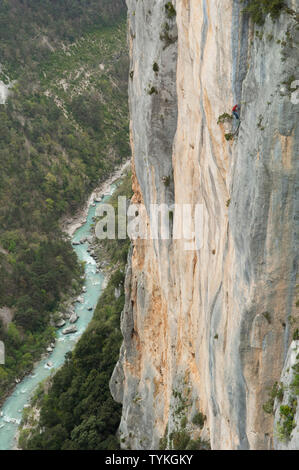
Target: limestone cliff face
[(209, 330)]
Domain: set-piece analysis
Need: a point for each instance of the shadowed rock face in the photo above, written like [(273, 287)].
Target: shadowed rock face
[(214, 324)]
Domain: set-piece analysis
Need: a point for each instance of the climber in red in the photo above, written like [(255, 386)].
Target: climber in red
[(235, 111)]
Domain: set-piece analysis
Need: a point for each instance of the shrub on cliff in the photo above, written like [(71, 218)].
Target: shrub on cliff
[(170, 10), (259, 9), (287, 423)]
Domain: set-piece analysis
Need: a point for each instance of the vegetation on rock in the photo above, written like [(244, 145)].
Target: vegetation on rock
[(62, 130), (259, 9)]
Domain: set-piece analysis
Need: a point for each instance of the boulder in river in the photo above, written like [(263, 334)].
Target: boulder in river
[(69, 330), (74, 318), (60, 323)]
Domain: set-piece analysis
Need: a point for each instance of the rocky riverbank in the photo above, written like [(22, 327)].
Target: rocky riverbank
[(70, 224), (67, 313), (67, 320)]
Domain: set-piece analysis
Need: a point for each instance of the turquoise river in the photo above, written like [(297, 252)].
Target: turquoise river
[(11, 411)]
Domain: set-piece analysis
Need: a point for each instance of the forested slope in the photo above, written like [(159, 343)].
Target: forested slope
[(30, 28), (63, 128), (76, 410)]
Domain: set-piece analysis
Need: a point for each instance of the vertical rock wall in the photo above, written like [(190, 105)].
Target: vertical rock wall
[(210, 327)]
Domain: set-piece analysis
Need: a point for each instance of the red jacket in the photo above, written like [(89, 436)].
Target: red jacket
[(235, 108)]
